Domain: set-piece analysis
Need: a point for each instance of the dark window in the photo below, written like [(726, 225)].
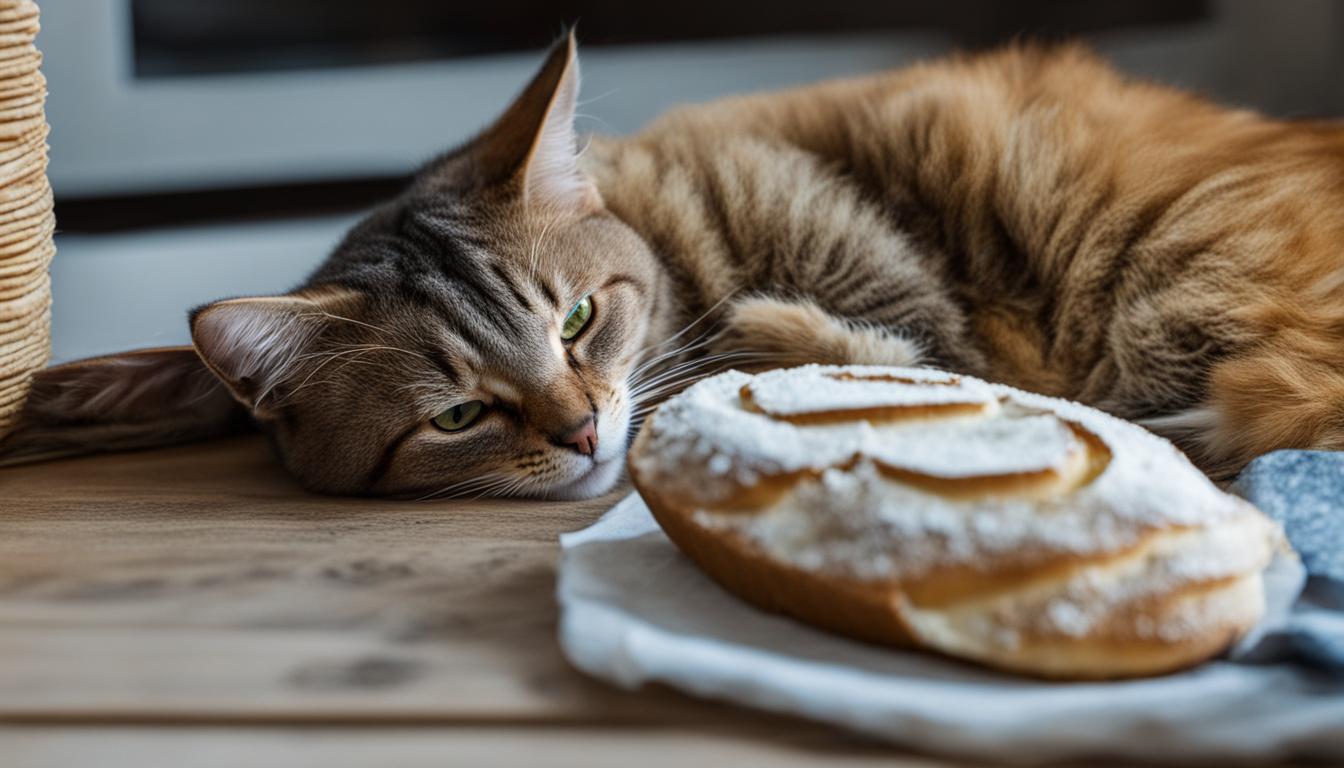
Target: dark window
[(195, 37)]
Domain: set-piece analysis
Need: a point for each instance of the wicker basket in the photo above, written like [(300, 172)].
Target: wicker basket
[(26, 220)]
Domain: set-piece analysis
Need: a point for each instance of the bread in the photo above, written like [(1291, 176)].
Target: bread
[(915, 507)]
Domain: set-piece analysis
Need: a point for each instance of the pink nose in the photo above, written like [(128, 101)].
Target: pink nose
[(583, 439)]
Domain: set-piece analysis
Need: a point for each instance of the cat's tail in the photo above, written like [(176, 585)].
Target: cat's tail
[(137, 399), (1283, 395)]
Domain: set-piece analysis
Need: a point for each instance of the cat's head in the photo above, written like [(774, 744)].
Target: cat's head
[(473, 335)]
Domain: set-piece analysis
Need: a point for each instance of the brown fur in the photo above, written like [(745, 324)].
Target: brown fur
[(1029, 216), (1102, 239)]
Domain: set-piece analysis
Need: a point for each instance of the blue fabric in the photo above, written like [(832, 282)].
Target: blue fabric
[(1304, 491)]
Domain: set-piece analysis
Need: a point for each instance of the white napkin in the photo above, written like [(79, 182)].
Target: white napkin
[(635, 611)]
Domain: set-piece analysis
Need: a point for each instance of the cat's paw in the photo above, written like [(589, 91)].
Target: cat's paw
[(785, 332)]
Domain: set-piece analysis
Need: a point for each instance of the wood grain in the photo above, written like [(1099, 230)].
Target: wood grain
[(475, 746), (196, 598)]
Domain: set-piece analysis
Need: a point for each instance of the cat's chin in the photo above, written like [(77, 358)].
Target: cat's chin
[(597, 480)]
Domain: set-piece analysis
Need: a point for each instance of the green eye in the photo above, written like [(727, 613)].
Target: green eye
[(577, 318), (459, 417)]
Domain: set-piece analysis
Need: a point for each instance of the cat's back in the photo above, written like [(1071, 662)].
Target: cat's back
[(1100, 225), (1082, 215), (1024, 121)]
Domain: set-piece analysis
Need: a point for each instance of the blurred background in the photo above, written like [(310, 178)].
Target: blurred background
[(212, 148)]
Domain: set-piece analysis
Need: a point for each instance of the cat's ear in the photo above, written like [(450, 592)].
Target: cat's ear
[(534, 145), (250, 344)]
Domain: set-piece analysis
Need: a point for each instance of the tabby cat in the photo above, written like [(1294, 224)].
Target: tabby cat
[(1028, 216)]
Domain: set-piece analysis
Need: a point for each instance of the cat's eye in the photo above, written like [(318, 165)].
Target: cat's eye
[(460, 416), (577, 318)]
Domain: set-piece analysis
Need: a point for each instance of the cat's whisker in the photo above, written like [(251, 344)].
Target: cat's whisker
[(442, 492), (328, 357), (389, 348), (652, 394), (586, 145), (516, 486), (692, 323), (333, 316), (351, 356), (593, 99), (698, 342), (672, 367), (535, 256), (348, 348), (455, 490), (649, 384), (503, 487), (428, 388), (651, 364), (648, 372), (646, 376)]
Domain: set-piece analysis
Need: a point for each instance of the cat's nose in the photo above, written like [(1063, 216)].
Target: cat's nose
[(583, 439)]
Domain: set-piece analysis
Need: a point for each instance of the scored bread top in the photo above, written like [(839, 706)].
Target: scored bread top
[(1015, 479), (1019, 530), (824, 394)]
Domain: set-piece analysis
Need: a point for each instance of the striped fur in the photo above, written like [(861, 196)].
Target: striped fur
[(1028, 216)]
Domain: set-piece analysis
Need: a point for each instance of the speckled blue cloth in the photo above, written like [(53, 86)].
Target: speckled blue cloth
[(1304, 491)]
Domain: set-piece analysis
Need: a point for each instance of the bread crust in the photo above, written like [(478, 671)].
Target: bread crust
[(932, 609)]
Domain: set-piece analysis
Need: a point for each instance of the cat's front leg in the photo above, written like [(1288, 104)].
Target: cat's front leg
[(764, 331)]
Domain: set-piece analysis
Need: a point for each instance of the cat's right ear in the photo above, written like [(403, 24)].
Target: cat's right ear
[(250, 344), (533, 145)]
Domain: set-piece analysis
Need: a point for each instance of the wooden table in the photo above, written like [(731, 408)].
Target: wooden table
[(193, 606)]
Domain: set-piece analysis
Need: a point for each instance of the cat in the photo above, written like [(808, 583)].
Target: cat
[(1027, 215)]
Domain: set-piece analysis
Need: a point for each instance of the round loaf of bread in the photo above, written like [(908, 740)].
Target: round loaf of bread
[(916, 507)]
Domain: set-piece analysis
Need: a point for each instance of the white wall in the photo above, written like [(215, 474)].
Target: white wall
[(123, 291)]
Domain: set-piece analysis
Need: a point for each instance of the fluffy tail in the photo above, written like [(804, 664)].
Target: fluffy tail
[(137, 399), (1276, 397)]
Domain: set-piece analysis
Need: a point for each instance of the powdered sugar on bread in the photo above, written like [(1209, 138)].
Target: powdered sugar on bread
[(1016, 533)]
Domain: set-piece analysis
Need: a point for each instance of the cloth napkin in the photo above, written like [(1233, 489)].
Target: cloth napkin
[(634, 610), (1304, 491)]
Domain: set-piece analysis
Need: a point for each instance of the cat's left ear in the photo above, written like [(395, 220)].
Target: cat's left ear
[(253, 344), (535, 137)]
